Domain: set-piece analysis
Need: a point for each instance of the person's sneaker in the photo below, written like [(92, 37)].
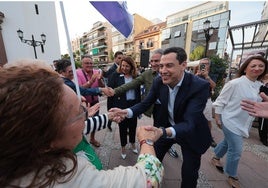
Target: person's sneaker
[(213, 143), (173, 153), (135, 151), (233, 182), (123, 155)]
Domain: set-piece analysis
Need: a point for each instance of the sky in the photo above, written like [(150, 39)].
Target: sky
[(81, 15)]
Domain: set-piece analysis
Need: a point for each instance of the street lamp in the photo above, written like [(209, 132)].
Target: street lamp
[(33, 42), (208, 30)]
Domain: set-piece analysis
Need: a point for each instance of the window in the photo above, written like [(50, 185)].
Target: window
[(177, 34), (166, 34), (141, 45), (184, 18), (150, 43)]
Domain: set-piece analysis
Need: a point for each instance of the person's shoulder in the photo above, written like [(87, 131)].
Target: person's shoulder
[(114, 66), (157, 80), (79, 71), (237, 81), (195, 78), (115, 74), (146, 73)]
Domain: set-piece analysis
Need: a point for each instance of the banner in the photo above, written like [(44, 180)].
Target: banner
[(117, 14)]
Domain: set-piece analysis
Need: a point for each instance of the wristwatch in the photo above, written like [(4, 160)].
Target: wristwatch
[(147, 141), (164, 132)]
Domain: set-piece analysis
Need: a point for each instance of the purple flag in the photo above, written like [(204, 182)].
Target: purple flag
[(117, 14)]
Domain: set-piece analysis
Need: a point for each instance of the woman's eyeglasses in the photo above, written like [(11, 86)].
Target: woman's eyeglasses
[(83, 115)]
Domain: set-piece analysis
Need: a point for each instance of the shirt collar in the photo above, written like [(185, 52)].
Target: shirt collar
[(179, 83)]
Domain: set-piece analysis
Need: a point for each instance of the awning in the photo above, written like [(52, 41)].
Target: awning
[(250, 36), (192, 63)]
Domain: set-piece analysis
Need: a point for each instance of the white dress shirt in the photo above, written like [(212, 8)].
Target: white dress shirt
[(228, 102)]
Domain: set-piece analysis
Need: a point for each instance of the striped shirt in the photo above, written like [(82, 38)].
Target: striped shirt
[(96, 123)]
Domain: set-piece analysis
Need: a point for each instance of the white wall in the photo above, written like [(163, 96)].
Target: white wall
[(22, 15)]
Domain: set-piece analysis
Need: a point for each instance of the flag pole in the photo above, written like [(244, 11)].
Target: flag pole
[(70, 50)]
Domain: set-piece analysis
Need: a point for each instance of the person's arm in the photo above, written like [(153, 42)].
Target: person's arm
[(221, 101), (256, 109), (131, 85), (147, 135), (224, 97), (83, 91), (90, 91), (149, 99), (96, 123), (147, 172), (211, 82)]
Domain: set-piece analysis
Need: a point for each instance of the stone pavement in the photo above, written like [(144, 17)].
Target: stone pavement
[(252, 170)]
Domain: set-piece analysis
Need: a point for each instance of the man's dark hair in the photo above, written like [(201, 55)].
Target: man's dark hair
[(181, 55), (62, 65), (118, 53)]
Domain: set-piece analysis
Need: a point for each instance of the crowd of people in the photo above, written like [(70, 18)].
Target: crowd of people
[(43, 133)]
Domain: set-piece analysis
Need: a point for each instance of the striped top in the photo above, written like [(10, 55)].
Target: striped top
[(96, 123)]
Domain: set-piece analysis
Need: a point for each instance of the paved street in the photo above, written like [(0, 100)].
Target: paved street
[(252, 171)]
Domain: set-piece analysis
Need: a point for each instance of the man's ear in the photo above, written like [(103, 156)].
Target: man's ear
[(184, 64)]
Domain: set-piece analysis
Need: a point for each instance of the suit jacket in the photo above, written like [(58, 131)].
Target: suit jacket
[(146, 79), (110, 71), (120, 101), (191, 125)]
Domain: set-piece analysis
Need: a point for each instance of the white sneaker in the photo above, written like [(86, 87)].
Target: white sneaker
[(135, 151), (123, 155)]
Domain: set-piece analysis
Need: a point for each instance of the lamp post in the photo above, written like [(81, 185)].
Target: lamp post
[(208, 30), (32, 42)]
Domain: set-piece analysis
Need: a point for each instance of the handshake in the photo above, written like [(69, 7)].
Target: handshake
[(114, 114), (108, 91), (117, 115)]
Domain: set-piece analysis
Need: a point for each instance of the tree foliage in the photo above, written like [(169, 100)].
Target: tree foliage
[(218, 73), (77, 62), (197, 53), (111, 55)]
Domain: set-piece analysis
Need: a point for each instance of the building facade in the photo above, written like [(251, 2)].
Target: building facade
[(127, 45), (263, 29), (186, 28), (98, 42), (34, 19), (149, 39)]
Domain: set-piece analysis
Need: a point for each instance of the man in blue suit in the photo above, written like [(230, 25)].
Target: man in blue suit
[(183, 98)]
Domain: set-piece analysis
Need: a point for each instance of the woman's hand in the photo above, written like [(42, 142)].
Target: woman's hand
[(92, 110), (148, 132), (218, 120)]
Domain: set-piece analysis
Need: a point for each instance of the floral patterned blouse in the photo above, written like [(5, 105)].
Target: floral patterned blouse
[(154, 169)]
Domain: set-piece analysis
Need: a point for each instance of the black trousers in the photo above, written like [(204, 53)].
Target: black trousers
[(263, 133), (128, 125), (191, 160)]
